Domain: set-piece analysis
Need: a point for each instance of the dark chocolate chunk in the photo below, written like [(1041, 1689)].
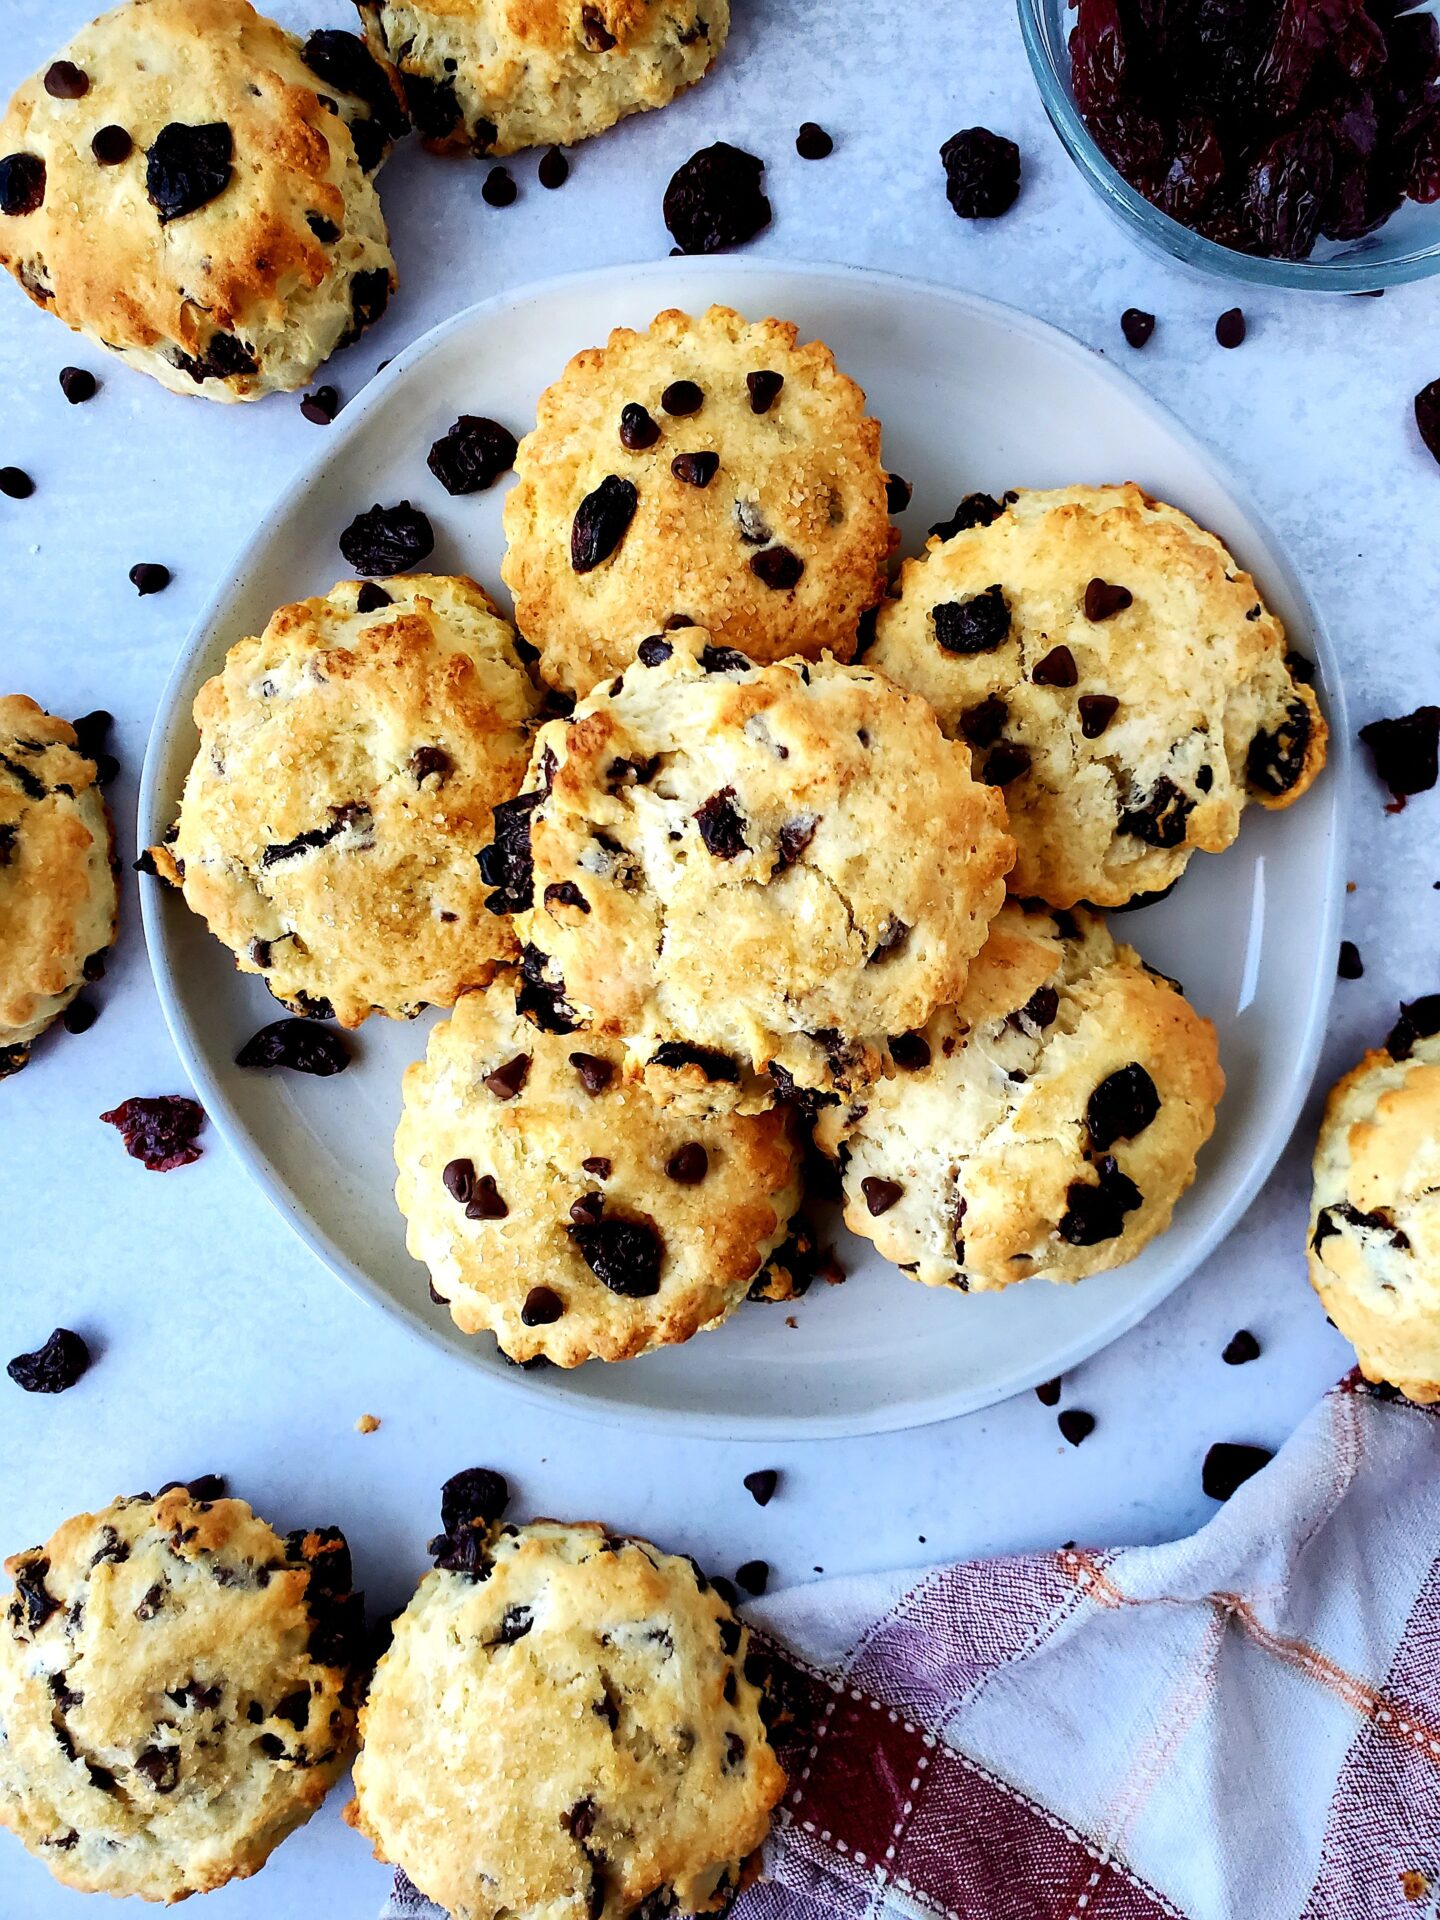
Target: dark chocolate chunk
[(435, 109), (898, 493), (624, 1255), (910, 1051), (597, 1165), (1160, 818), (977, 624), (388, 540), (724, 660), (1007, 762), (722, 827), (224, 358), (982, 173), (1276, 760), (601, 521), (777, 568), (479, 1495), (426, 763), (1229, 1464), (715, 200), (975, 510), (1419, 1019), (1124, 1104), (794, 837), (54, 1367), (1352, 967), (472, 455), (714, 1064), (507, 864), (1097, 1212), (982, 724), (1405, 752), (301, 1045), (33, 1603), (371, 598), (344, 62), (889, 941), (187, 167), (159, 1131)]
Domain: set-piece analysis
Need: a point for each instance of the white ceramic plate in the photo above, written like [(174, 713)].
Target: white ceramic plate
[(971, 395)]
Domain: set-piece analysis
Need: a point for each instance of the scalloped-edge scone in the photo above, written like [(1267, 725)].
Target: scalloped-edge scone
[(496, 76), (177, 1691), (749, 875), (1045, 1126), (565, 1727), (1374, 1243), (710, 471), (58, 899), (1116, 672), (182, 188), (349, 764), (562, 1208)]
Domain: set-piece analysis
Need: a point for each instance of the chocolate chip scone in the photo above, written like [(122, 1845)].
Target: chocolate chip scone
[(57, 875), (495, 76), (562, 1208), (350, 760), (709, 470), (176, 1691), (1046, 1125), (566, 1726), (181, 186), (747, 874), (1117, 674), (1375, 1216)]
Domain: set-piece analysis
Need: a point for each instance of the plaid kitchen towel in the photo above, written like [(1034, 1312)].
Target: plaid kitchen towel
[(1244, 1725)]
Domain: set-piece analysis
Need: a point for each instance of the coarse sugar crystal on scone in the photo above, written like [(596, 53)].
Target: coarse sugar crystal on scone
[(188, 185), (496, 76), (567, 1725), (1045, 1126), (58, 898), (710, 471), (560, 1206), (177, 1691), (748, 875), (1374, 1240), (351, 759), (1118, 676)]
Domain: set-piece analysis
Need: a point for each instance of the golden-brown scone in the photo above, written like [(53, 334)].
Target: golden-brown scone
[(348, 766), (776, 542), (565, 1727), (495, 76), (1045, 1126), (181, 187), (1127, 728), (177, 1691), (562, 1208), (1375, 1216), (57, 876), (749, 875)]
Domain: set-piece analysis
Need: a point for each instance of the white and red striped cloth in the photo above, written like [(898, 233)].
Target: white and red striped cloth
[(1244, 1725)]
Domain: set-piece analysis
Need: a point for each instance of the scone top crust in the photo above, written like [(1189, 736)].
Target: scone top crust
[(751, 874), (266, 247), (566, 1733), (1374, 1244), (57, 880), (175, 1691), (562, 1207), (1044, 1126), (347, 770), (797, 484), (1127, 730), (496, 76)]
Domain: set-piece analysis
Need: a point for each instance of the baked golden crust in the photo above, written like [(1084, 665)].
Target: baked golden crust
[(780, 863), (1374, 1241), (348, 767), (802, 478), (496, 76), (567, 1735), (1206, 713), (963, 1165), (245, 294), (58, 898), (175, 1692), (710, 1217)]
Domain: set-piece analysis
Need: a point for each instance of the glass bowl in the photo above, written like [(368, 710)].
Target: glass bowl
[(1407, 247)]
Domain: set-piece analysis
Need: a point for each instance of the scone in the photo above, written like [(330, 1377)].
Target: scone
[(57, 874), (176, 1691), (181, 187), (494, 76), (1116, 673), (565, 1727), (710, 471), (350, 759), (748, 875), (1375, 1217), (562, 1208), (1045, 1126)]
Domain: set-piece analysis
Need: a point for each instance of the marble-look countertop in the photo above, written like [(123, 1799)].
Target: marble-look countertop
[(222, 1344)]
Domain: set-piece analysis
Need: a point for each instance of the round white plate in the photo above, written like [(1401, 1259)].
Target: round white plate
[(971, 395)]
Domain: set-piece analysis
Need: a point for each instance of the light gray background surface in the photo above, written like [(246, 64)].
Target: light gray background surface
[(222, 1344)]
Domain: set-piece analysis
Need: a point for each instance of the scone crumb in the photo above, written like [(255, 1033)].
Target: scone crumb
[(367, 1423), (1414, 1885)]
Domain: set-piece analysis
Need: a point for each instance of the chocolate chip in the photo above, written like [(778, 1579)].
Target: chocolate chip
[(1241, 1347), (224, 357), (388, 540), (543, 1306), (1160, 819), (982, 173), (977, 624), (688, 1165), (778, 568), (78, 385), (579, 1822), (187, 167), (1096, 1213), (321, 406), (112, 146), (1419, 1019), (1404, 751), (1276, 759), (565, 893), (22, 183), (1229, 1464), (598, 1165), (371, 598), (754, 1577), (486, 1202), (15, 483), (813, 142), (682, 398), (623, 1255), (540, 999), (1230, 328), (1075, 1425), (653, 651), (695, 469), (325, 231), (479, 1495), (722, 827), (148, 577), (982, 724), (1352, 967), (761, 1485), (910, 1051), (1137, 326), (588, 1210), (54, 1367), (724, 660), (459, 1179), (65, 81), (898, 493), (80, 1015), (159, 1131), (554, 169), (1124, 1104), (1048, 1392), (507, 1081), (499, 189), (1097, 710), (638, 431), (795, 836), (595, 1073), (369, 297), (715, 200), (472, 455), (301, 1045), (880, 1195), (714, 1064), (1007, 762), (975, 510), (601, 522), (1103, 601), (764, 389), (1057, 669), (1042, 1007)]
